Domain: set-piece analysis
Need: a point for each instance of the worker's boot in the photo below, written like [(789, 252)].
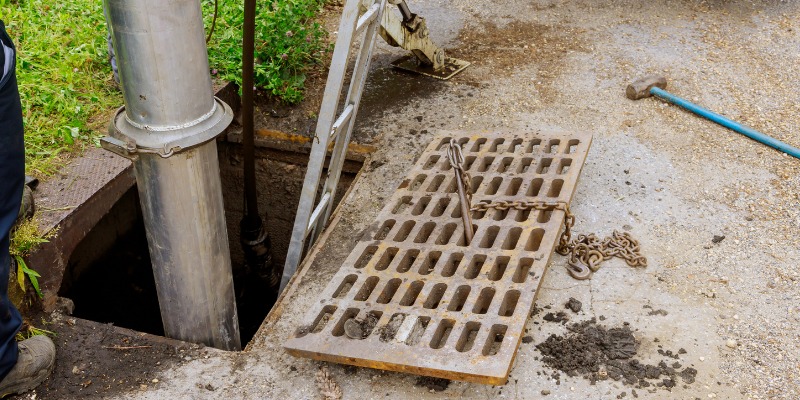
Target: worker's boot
[(27, 207), (37, 357)]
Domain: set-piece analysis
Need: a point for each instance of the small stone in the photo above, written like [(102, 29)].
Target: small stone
[(731, 343), (717, 238), (702, 358), (142, 387), (545, 392), (771, 284), (712, 395), (154, 380), (76, 370)]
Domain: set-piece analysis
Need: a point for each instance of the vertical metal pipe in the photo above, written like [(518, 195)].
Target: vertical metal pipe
[(167, 127), (188, 239)]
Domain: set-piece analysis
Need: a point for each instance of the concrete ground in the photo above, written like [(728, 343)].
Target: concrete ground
[(673, 180)]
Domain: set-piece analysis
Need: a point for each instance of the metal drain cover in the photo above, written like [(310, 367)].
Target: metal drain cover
[(414, 297)]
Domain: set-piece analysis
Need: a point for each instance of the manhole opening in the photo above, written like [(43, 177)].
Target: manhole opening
[(109, 276)]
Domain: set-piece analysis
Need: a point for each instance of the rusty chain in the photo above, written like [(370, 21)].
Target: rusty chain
[(586, 252), (456, 158)]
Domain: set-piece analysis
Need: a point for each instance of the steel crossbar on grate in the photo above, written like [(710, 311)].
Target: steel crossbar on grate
[(414, 296), (333, 130)]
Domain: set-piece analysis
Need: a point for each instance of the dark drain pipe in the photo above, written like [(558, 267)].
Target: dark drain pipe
[(168, 128), (254, 237)]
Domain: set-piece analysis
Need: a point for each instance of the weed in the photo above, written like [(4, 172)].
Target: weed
[(288, 43), (24, 239), (28, 331)]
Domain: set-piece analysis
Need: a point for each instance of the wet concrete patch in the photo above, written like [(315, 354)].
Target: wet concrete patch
[(500, 51), (389, 90)]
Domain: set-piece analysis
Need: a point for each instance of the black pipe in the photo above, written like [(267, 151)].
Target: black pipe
[(405, 12), (248, 50), (253, 236)]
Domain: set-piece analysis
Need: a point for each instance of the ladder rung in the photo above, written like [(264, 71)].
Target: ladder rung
[(323, 202), (343, 119), (368, 17)]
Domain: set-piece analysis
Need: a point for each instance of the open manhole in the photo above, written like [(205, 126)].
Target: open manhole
[(109, 276)]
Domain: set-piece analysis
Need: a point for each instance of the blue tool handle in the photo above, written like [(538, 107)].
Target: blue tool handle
[(712, 116)]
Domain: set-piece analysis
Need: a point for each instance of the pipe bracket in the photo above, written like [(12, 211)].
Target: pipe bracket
[(128, 140)]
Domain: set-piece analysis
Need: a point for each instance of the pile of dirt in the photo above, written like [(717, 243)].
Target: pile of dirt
[(596, 352), (433, 384)]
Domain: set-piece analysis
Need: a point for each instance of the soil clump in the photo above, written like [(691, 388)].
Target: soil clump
[(596, 352), (574, 305), (433, 384)]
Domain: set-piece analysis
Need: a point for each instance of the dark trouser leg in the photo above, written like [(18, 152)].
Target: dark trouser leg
[(12, 179)]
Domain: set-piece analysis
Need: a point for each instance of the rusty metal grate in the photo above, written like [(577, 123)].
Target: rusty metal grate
[(414, 297)]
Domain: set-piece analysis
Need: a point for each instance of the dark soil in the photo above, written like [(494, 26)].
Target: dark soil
[(596, 352), (574, 305), (556, 317), (100, 360), (435, 384)]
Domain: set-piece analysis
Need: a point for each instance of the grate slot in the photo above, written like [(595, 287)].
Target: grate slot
[(442, 333), (345, 286), (494, 340), (412, 293), (468, 335), (435, 295)]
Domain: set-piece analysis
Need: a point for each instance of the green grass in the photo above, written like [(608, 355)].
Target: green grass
[(288, 43), (66, 84), (64, 78)]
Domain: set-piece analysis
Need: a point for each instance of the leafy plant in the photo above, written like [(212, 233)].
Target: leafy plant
[(23, 271), (288, 43), (24, 239), (28, 331)]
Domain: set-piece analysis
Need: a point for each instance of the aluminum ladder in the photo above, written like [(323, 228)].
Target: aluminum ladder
[(332, 128)]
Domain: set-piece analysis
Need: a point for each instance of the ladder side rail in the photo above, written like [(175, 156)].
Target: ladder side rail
[(356, 89), (319, 147)]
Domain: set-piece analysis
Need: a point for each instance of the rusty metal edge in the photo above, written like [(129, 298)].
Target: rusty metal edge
[(278, 140), (499, 379)]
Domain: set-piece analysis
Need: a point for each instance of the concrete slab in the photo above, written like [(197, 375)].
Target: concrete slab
[(671, 179)]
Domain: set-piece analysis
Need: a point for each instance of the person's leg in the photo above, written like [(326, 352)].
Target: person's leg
[(12, 180)]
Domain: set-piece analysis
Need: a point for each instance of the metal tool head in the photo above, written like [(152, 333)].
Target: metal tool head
[(452, 66), (640, 88)]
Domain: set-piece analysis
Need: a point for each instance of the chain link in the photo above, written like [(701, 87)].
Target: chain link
[(456, 158), (586, 252)]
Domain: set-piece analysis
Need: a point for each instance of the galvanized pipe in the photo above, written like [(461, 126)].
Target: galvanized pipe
[(167, 128)]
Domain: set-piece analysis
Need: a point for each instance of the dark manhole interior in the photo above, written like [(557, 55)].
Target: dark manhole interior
[(110, 276)]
